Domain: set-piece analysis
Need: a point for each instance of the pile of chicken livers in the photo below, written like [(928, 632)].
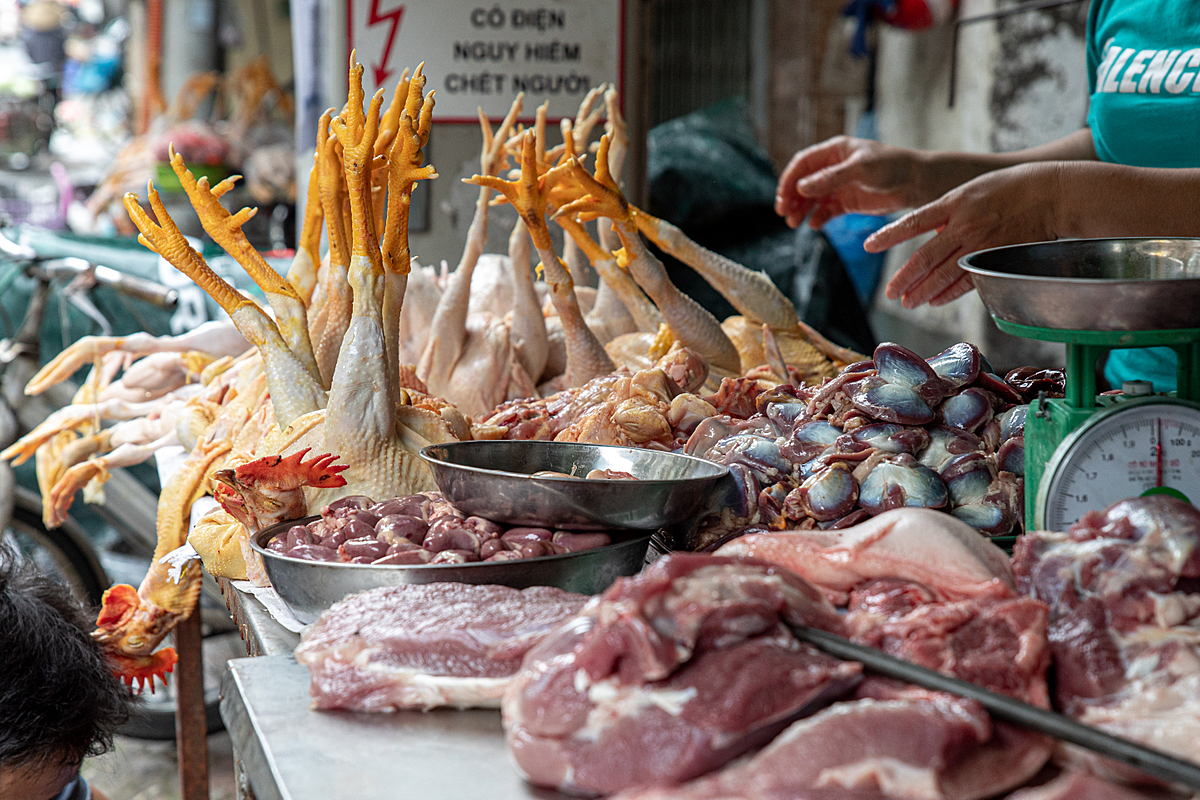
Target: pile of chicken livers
[(420, 529), (685, 683)]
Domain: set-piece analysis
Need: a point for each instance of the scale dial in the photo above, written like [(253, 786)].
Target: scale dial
[(1135, 447)]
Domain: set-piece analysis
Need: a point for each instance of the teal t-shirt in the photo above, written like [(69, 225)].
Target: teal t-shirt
[(1144, 75)]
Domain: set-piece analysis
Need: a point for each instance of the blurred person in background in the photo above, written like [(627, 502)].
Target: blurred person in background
[(44, 34)]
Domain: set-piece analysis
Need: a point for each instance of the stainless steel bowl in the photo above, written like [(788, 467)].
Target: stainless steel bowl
[(310, 587), (1092, 284), (494, 480)]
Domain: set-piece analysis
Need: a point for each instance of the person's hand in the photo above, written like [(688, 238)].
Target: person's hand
[(843, 175), (1009, 206)]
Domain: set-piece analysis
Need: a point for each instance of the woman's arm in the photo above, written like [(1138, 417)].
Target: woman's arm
[(843, 175), (947, 170), (1034, 203)]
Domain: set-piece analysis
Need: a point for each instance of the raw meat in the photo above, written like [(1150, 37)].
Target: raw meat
[(861, 750), (440, 644), (1077, 786), (670, 674), (928, 547), (999, 644), (419, 529), (923, 587), (1123, 586)]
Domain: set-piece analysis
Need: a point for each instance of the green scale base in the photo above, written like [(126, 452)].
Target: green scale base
[(1050, 420)]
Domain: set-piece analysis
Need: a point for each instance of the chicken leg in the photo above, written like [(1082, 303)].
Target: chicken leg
[(295, 389), (447, 332), (691, 324), (586, 358), (336, 309), (226, 230)]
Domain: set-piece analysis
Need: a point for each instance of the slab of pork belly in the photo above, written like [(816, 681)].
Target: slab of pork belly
[(670, 674), (440, 644), (928, 547), (1123, 586)]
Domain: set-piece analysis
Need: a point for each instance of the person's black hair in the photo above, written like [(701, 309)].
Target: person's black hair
[(59, 700)]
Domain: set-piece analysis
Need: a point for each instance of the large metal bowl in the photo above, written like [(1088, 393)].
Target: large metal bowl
[(1092, 284), (494, 480), (310, 587)]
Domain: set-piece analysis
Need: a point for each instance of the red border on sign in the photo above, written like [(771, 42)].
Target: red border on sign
[(475, 120)]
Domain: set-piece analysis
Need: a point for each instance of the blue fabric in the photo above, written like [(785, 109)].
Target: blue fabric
[(1143, 60), (863, 11), (847, 234), (78, 789), (1155, 364)]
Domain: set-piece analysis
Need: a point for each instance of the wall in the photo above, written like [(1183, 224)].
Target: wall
[(808, 81)]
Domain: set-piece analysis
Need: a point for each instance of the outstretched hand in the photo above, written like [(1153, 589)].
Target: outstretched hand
[(1009, 206), (845, 175)]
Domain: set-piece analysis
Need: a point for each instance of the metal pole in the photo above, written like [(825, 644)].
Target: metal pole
[(191, 727)]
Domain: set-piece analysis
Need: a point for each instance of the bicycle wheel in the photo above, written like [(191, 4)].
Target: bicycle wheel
[(62, 553)]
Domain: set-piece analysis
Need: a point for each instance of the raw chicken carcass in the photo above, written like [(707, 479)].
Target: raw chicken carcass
[(371, 422), (670, 674), (440, 644), (471, 359)]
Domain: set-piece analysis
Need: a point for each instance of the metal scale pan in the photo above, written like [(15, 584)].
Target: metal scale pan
[(1092, 284), (1094, 296)]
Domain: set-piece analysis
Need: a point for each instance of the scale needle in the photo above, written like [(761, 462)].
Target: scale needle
[(1158, 455)]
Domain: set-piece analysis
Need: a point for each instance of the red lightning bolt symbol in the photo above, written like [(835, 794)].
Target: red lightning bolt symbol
[(374, 18)]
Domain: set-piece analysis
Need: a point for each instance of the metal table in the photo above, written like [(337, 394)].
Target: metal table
[(262, 635), (289, 752), (286, 751)]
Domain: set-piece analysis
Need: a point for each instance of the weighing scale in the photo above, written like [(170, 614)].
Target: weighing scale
[(1085, 451)]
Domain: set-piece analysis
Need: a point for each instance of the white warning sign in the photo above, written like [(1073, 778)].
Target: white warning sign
[(480, 55)]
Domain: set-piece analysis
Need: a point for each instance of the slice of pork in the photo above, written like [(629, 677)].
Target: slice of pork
[(1123, 587), (670, 674), (439, 644), (927, 547)]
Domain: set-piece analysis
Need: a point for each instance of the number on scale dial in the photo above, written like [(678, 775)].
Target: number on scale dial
[(1134, 448)]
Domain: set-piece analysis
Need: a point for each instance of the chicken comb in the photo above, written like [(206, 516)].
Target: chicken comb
[(319, 471), (116, 603), (138, 672)]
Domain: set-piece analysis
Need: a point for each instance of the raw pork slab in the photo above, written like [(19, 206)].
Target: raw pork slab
[(1123, 587), (670, 674), (915, 544), (1077, 786), (860, 750), (923, 587), (423, 646)]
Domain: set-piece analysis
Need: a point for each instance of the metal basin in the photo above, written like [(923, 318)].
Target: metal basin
[(494, 480), (1092, 284), (310, 587)]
